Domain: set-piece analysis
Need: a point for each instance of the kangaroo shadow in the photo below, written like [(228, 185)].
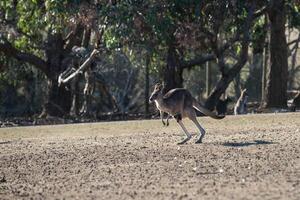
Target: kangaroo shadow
[(245, 144)]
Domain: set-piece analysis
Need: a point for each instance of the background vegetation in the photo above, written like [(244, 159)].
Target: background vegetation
[(210, 47)]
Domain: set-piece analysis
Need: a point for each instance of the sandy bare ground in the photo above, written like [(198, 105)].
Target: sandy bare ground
[(245, 157)]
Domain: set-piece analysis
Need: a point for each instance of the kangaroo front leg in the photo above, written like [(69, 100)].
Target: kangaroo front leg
[(188, 136), (168, 117), (162, 117), (201, 129)]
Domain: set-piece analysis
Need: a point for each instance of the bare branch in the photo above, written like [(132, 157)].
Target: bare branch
[(297, 40), (88, 61), (260, 12), (209, 57), (198, 61), (10, 51)]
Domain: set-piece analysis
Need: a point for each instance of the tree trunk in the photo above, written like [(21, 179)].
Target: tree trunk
[(173, 71), (217, 92), (147, 86), (264, 74), (237, 86), (228, 77), (278, 74), (89, 79), (87, 93), (75, 97), (293, 65), (59, 100), (208, 78), (253, 84), (266, 62)]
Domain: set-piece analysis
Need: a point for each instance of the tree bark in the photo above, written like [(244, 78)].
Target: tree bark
[(253, 83), (278, 73), (74, 111), (87, 93), (147, 86), (237, 86), (208, 78), (293, 65), (266, 62)]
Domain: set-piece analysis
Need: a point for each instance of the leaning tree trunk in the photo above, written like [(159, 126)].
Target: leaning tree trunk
[(173, 71), (278, 74), (227, 77)]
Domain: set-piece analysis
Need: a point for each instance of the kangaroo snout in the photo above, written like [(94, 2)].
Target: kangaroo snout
[(150, 100), (153, 97)]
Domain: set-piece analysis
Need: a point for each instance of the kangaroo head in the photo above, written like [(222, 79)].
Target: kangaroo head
[(156, 92)]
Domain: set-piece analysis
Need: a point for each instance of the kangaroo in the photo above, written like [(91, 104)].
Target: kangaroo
[(180, 104), (241, 105)]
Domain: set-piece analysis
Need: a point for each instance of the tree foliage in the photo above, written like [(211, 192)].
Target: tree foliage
[(176, 36)]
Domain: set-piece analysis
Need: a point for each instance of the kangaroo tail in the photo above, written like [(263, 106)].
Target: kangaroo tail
[(205, 111)]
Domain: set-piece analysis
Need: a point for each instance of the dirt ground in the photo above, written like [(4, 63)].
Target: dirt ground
[(244, 157)]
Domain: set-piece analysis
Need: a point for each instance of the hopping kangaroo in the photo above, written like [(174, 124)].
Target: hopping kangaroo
[(179, 103)]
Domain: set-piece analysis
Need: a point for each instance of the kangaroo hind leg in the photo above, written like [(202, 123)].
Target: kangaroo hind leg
[(192, 116), (188, 135)]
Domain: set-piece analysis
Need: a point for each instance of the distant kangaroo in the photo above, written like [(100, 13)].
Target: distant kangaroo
[(179, 103), (241, 105)]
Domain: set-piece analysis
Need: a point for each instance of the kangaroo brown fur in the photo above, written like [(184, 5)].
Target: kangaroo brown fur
[(180, 104)]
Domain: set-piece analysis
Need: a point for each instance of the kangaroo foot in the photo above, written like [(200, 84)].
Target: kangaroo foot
[(201, 137), (198, 141), (184, 141)]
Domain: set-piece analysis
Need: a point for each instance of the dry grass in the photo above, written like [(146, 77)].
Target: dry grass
[(244, 157)]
